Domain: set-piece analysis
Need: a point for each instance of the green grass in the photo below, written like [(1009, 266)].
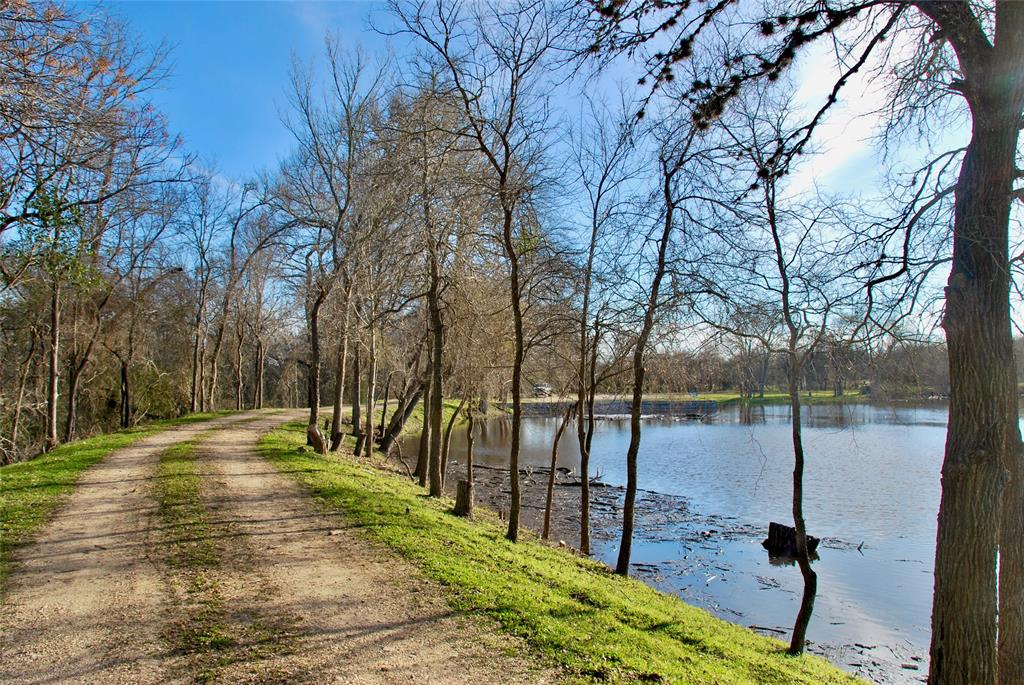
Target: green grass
[(31, 490), (592, 624), (190, 552), (180, 506), (415, 422), (772, 397)]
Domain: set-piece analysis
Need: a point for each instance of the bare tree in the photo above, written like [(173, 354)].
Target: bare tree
[(971, 53), (495, 75)]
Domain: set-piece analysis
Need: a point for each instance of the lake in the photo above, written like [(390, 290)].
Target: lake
[(871, 493)]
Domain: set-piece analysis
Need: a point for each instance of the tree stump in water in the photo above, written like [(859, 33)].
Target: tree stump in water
[(463, 498), (781, 541), (316, 439)]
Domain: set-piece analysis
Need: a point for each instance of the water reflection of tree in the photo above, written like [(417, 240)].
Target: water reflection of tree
[(751, 414)]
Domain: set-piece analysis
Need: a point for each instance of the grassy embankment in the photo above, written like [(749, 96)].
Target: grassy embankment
[(770, 397), (593, 625), (203, 629), (778, 397), (412, 426), (31, 490)]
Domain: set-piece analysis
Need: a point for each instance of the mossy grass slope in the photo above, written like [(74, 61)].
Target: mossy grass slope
[(594, 625), (31, 490)]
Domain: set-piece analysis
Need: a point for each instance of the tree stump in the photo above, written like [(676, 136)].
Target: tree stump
[(781, 541), (316, 439), (463, 498)]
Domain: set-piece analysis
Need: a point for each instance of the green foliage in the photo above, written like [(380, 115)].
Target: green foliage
[(31, 490), (55, 241), (596, 626)]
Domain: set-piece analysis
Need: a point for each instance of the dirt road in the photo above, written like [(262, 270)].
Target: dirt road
[(293, 595)]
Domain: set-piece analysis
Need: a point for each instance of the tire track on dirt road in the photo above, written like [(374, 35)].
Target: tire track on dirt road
[(86, 602)]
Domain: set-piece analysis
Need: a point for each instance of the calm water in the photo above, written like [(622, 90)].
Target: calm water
[(872, 477)]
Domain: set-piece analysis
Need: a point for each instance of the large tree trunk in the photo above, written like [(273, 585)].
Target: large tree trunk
[(982, 434), (983, 439), (1011, 575)]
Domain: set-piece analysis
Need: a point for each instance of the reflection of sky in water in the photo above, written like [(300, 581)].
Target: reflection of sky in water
[(872, 476)]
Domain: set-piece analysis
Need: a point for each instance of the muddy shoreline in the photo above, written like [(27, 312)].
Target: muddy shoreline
[(662, 518)]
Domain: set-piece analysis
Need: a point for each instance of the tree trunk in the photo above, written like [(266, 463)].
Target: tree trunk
[(371, 391), (314, 358), (448, 440), (399, 418), (384, 408), (625, 547), (218, 346), (201, 389), (126, 395), (585, 435), (581, 398), (463, 499), (71, 419), (20, 396), (357, 401), (423, 457), (258, 371), (983, 439), (193, 402), (551, 473), (470, 425), (803, 560), (239, 390), (1011, 577), (337, 435), (54, 379), (436, 392), (515, 291)]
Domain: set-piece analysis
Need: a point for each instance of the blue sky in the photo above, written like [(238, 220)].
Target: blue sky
[(229, 64), (229, 75)]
